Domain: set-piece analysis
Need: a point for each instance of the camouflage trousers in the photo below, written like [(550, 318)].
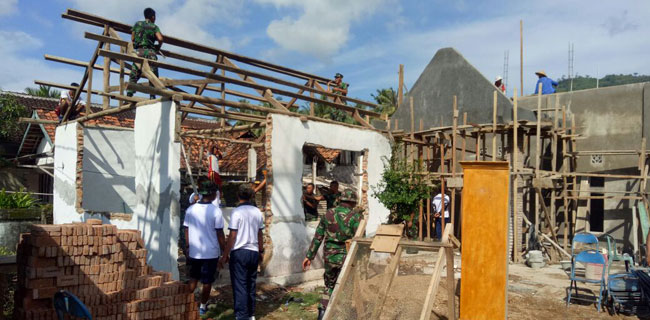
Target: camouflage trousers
[(333, 265), (136, 72)]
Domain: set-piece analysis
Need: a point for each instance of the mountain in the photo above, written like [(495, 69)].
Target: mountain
[(587, 82)]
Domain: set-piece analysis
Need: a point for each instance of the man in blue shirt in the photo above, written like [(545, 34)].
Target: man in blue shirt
[(548, 85)]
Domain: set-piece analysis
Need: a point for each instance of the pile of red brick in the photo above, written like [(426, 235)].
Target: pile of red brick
[(103, 266)]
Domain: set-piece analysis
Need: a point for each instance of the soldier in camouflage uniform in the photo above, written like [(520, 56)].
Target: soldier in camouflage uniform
[(338, 225), (144, 35)]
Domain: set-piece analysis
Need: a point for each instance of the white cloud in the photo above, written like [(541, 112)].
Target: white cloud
[(192, 20), (322, 28), (608, 37), (8, 7)]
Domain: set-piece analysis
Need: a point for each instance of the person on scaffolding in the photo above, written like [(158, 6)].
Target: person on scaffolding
[(65, 102), (144, 35), (334, 229)]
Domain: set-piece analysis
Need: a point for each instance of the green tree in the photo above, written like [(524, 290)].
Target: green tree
[(401, 188), (386, 99), (43, 91), (10, 112)]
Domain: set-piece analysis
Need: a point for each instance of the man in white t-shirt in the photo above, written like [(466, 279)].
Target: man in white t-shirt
[(205, 240), (244, 249), (437, 213), (65, 101)]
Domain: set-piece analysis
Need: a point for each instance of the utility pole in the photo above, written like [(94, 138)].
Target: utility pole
[(571, 66), (521, 56), (506, 62)]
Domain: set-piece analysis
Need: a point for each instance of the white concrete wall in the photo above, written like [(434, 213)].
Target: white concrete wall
[(156, 160), (109, 170), (288, 232), (65, 168), (157, 183)]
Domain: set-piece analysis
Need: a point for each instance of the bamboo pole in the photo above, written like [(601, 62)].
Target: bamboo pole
[(462, 154), (412, 118), (521, 56), (565, 200), (442, 186), (400, 87), (453, 162), (554, 158), (106, 101), (494, 127), (538, 154), (515, 169)]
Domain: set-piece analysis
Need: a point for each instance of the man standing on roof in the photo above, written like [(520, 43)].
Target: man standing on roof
[(338, 86), (498, 82), (337, 226), (144, 35), (548, 84), (65, 101)]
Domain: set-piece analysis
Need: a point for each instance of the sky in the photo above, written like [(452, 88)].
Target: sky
[(365, 40)]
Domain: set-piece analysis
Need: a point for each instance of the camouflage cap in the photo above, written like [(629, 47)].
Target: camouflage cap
[(349, 196), (338, 75), (207, 187)]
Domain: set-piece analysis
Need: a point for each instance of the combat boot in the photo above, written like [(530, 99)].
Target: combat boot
[(321, 313)]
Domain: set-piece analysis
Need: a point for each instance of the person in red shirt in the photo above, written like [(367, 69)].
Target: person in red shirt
[(498, 82)]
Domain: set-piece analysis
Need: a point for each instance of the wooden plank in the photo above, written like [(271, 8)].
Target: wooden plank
[(146, 71), (435, 279), (454, 126), (79, 63), (391, 271), (451, 284), (385, 243), (485, 263), (390, 230)]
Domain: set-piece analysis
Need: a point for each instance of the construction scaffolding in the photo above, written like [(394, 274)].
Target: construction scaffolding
[(547, 197)]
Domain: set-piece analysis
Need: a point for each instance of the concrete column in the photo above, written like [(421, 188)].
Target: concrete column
[(157, 184)]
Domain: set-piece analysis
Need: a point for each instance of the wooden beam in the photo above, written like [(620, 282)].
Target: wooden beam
[(361, 121), (148, 73), (225, 130), (37, 121), (197, 98), (79, 63), (218, 138), (84, 17), (236, 82), (435, 279), (391, 271)]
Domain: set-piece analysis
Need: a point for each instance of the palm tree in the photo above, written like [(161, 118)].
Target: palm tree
[(387, 100), (43, 91)]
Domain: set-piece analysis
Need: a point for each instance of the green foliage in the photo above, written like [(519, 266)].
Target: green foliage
[(387, 100), (10, 111), (401, 188), (324, 111), (18, 200), (587, 82), (43, 91), (4, 251)]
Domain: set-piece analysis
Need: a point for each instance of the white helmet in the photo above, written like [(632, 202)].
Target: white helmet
[(498, 78)]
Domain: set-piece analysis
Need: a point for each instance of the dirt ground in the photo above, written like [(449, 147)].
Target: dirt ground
[(532, 294)]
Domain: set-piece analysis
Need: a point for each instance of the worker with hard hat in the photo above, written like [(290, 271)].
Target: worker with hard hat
[(498, 82)]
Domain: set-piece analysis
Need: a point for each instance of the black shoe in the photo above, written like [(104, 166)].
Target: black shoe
[(152, 96), (321, 313)]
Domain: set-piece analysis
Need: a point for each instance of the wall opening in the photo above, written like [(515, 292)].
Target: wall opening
[(597, 206), (321, 167)]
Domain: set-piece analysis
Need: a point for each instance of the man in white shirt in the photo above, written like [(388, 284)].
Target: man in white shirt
[(244, 249), (65, 101), (437, 213), (205, 240)]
